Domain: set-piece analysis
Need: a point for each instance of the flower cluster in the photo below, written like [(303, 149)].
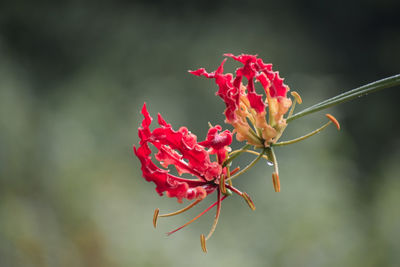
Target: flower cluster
[(259, 121)]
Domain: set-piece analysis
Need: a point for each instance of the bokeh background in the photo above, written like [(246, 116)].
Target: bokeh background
[(74, 75)]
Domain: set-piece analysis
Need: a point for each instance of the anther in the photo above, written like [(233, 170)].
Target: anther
[(249, 201), (334, 120), (275, 181), (203, 243), (297, 97), (222, 185), (155, 217)]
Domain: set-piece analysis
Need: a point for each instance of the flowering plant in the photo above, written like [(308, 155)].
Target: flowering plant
[(257, 119)]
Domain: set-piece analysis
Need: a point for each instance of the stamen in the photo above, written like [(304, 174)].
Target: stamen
[(303, 137), (235, 171), (181, 210), (155, 217), (248, 166), (275, 181), (195, 218), (297, 99), (334, 120), (203, 243), (275, 175), (235, 154), (222, 187), (214, 226), (249, 201), (244, 195), (255, 153), (222, 184)]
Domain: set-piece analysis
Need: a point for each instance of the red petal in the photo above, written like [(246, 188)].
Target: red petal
[(249, 70), (169, 142), (227, 91), (218, 142)]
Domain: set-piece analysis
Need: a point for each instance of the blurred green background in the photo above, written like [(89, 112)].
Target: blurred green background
[(74, 75)]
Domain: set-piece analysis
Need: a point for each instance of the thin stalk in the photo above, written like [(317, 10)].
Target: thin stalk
[(349, 95), (248, 167), (234, 154), (271, 154), (301, 138), (255, 153)]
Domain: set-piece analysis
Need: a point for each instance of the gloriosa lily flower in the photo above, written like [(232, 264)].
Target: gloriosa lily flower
[(181, 149), (244, 105), (257, 121)]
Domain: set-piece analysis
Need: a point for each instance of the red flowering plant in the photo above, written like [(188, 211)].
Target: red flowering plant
[(257, 120)]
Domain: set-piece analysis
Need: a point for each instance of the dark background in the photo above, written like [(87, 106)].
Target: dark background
[(74, 75)]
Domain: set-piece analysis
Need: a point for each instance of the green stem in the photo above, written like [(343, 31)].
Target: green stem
[(248, 167), (349, 95)]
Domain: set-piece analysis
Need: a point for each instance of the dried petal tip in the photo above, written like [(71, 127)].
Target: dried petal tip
[(155, 217), (203, 243), (334, 120), (297, 97), (275, 181), (249, 201)]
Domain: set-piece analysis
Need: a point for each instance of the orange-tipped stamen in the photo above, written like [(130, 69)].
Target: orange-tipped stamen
[(284, 143), (249, 201), (195, 218), (203, 243), (334, 120), (275, 181), (181, 210), (155, 217), (216, 216)]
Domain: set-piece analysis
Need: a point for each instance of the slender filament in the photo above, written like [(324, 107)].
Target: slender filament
[(182, 210), (284, 143), (248, 167), (216, 216), (195, 218)]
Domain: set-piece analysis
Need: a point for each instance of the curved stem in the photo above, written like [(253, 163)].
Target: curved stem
[(248, 167), (301, 138), (255, 153), (235, 154), (349, 95)]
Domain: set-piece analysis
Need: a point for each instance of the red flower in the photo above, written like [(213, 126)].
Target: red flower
[(243, 103), (181, 149)]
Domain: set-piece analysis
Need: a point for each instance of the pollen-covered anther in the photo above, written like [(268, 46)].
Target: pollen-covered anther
[(334, 120), (275, 181), (155, 217), (203, 243), (249, 201), (297, 97)]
